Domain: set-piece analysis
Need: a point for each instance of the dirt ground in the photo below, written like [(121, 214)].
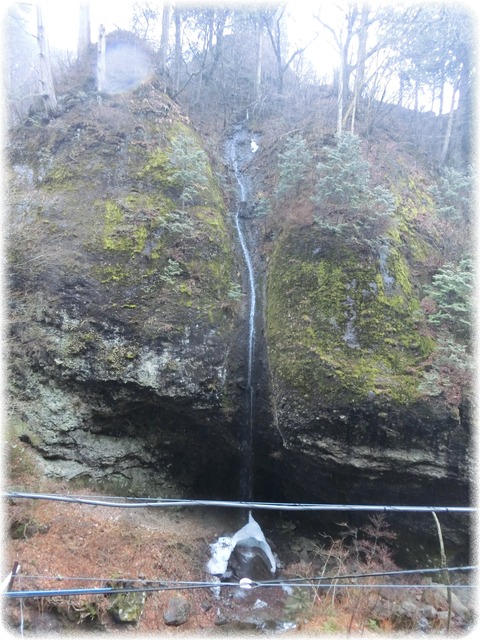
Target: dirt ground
[(62, 545)]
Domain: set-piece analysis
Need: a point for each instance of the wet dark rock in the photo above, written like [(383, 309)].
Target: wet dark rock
[(250, 561), (177, 612)]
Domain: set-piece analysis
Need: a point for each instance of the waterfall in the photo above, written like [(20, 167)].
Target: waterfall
[(240, 138), (250, 537)]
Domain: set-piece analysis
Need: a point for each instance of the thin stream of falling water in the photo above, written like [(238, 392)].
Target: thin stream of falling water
[(246, 482), (251, 534)]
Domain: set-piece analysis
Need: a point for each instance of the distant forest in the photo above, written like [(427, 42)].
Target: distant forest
[(250, 57)]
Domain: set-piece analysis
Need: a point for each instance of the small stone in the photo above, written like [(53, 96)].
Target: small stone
[(220, 618), (423, 625), (239, 595), (177, 611), (260, 604), (405, 610), (428, 612)]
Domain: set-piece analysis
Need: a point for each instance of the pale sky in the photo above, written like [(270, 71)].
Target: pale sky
[(61, 19)]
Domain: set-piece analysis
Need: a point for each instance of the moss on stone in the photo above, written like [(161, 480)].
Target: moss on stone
[(118, 234), (62, 177), (334, 330)]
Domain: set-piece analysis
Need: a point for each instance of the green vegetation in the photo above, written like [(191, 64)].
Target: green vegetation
[(349, 205), (293, 164), (168, 232), (448, 307), (452, 195), (451, 293), (334, 330), (189, 170)]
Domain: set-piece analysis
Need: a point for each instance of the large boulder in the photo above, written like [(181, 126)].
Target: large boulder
[(347, 351), (121, 316)]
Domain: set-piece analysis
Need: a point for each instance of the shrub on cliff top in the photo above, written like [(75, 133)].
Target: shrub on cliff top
[(350, 206), (293, 163)]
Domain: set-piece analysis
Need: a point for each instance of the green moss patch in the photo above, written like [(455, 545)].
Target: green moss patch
[(336, 328)]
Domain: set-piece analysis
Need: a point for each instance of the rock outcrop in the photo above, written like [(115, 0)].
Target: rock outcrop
[(126, 329), (122, 315), (347, 350)]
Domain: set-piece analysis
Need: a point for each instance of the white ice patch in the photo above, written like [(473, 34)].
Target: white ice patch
[(253, 146), (222, 549), (221, 552)]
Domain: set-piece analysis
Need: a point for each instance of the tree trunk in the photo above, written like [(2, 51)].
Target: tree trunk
[(416, 96), (218, 29), (272, 23), (448, 132), (164, 38), (83, 29), (362, 50), (47, 88), (340, 96), (178, 49), (466, 107), (441, 97), (361, 61), (101, 59), (259, 62), (347, 68)]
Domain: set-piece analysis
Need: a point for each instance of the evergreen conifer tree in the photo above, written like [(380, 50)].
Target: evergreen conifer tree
[(293, 164), (347, 202)]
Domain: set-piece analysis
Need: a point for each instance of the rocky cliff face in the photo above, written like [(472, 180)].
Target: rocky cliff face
[(123, 268), (127, 330), (348, 346)]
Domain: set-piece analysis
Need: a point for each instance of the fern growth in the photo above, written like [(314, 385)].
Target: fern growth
[(190, 170)]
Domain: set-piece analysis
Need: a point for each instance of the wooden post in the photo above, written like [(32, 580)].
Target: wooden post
[(446, 575)]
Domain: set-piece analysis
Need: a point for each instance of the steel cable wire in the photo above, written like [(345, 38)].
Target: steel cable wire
[(285, 506), (280, 581)]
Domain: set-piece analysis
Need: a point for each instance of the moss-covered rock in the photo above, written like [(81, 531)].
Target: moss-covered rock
[(348, 346), (340, 326), (128, 607), (120, 288)]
